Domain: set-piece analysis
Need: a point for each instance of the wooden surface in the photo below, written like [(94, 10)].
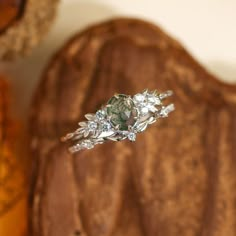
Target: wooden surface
[(178, 178)]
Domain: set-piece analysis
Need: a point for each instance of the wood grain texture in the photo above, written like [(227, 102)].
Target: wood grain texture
[(178, 178)]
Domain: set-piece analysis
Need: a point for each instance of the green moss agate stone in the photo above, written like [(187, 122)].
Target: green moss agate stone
[(122, 111)]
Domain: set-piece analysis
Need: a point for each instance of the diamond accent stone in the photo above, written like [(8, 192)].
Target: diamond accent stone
[(151, 99), (100, 114), (144, 110), (131, 136), (146, 102), (105, 126), (92, 126), (139, 97)]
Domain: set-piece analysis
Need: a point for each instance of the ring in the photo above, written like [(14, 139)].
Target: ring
[(121, 118)]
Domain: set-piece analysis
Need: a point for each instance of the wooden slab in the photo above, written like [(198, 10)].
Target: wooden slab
[(178, 178)]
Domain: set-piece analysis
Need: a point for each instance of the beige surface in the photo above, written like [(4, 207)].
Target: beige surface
[(206, 28)]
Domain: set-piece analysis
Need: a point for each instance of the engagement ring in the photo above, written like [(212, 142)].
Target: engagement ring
[(121, 118)]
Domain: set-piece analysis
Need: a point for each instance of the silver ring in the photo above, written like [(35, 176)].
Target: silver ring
[(121, 118)]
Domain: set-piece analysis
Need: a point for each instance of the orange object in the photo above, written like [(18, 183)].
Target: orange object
[(10, 10), (13, 185)]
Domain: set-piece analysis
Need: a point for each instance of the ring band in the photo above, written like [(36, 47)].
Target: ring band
[(121, 118)]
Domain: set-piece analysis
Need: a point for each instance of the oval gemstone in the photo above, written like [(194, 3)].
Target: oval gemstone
[(10, 10), (122, 111)]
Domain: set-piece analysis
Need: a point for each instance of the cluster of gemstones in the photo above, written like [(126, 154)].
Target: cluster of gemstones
[(123, 117)]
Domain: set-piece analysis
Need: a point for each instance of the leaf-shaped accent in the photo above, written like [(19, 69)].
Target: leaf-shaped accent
[(90, 116), (96, 133), (79, 136), (83, 124), (79, 130), (151, 120), (86, 133), (68, 136), (141, 127), (112, 138)]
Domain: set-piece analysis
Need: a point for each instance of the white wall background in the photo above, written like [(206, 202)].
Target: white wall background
[(207, 28)]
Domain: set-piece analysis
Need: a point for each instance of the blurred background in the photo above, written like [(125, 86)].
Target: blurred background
[(206, 28)]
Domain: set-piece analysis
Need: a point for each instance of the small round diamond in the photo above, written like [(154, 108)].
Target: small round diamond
[(139, 97), (92, 126), (144, 110), (151, 98), (158, 101), (105, 126), (131, 136), (100, 114)]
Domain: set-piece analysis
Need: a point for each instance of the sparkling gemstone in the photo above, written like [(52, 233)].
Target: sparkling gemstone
[(122, 111), (100, 114), (105, 126), (92, 125), (153, 99), (157, 101), (10, 10), (151, 108), (131, 136), (139, 97)]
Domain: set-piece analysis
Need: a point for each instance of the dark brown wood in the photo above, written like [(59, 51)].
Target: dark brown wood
[(178, 178)]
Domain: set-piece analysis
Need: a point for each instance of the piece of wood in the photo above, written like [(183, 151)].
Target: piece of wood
[(178, 178)]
